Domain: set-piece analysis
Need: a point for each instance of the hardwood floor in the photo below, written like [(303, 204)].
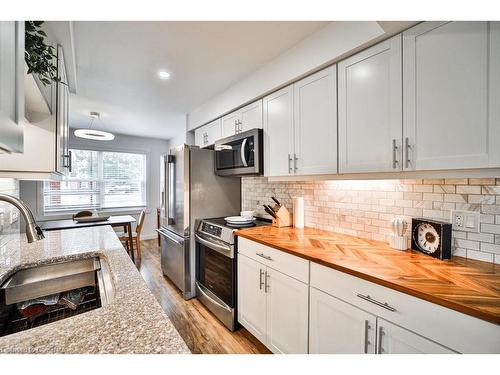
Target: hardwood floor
[(202, 332)]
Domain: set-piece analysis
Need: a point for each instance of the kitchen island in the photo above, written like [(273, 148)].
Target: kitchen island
[(133, 322)]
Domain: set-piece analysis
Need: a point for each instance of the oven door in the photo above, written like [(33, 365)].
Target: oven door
[(240, 154), (216, 271)]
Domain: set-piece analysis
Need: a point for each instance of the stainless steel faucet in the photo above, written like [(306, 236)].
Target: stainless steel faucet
[(33, 231)]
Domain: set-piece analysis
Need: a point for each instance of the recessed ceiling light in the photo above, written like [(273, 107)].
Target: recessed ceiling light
[(163, 74)]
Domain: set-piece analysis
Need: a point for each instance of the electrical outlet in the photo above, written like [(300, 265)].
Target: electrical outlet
[(465, 221)]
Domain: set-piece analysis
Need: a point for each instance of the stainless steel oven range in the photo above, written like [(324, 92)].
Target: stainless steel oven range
[(216, 268)]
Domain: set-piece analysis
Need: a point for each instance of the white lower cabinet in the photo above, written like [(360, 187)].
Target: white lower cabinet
[(336, 327), (252, 297), (292, 305), (287, 305), (392, 339), (272, 306)]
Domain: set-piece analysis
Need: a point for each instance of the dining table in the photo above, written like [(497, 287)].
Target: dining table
[(124, 221)]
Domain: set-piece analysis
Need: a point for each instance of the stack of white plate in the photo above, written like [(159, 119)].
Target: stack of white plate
[(239, 220)]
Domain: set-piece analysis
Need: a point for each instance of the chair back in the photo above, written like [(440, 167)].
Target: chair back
[(140, 222)]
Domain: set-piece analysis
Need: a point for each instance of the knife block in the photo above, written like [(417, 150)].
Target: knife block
[(283, 217)]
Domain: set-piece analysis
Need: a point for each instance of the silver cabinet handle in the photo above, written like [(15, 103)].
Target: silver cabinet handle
[(407, 150), (240, 128), (264, 256), (394, 154), (379, 344), (266, 286), (289, 164), (367, 342), (70, 167), (295, 159), (261, 282), (235, 127), (385, 305)]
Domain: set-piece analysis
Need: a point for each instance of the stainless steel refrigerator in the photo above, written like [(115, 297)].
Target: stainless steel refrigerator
[(191, 191)]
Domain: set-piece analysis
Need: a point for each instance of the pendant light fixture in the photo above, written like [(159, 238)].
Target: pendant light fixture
[(94, 134)]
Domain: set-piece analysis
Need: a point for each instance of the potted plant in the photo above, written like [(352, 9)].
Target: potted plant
[(38, 55)]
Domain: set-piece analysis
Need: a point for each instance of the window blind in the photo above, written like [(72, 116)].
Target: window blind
[(99, 180)]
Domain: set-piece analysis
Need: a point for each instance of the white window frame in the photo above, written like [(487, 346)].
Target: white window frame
[(62, 214)]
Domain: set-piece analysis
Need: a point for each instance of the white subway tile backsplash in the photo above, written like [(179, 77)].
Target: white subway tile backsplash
[(366, 208)]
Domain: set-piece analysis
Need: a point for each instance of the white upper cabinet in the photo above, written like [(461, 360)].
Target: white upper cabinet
[(315, 123), (370, 109), (494, 91), (451, 81), (393, 339), (243, 119), (208, 134), (63, 157), (278, 132), (11, 85), (336, 327), (251, 116), (229, 124)]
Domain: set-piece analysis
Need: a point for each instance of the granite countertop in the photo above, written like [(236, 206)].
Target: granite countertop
[(469, 286), (133, 322)]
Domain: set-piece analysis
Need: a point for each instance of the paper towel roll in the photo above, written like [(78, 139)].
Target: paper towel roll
[(298, 212)]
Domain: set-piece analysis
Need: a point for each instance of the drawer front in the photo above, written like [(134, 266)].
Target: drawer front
[(290, 265), (460, 332)]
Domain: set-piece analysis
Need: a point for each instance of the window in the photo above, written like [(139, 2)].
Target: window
[(99, 180)]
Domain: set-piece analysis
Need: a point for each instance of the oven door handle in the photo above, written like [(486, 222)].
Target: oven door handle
[(219, 248), (242, 152), (221, 304)]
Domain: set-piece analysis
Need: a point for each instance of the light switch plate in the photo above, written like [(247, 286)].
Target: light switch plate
[(465, 221)]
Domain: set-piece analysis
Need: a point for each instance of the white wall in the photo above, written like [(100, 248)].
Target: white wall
[(329, 44), (153, 148)]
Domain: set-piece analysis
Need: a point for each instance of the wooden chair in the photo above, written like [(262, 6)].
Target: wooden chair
[(136, 236)]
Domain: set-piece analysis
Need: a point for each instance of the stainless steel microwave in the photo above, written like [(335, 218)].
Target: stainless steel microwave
[(240, 155)]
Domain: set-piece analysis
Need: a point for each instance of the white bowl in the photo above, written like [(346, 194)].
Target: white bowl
[(247, 214)]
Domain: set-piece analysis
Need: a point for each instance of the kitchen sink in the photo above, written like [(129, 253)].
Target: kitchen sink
[(43, 294)]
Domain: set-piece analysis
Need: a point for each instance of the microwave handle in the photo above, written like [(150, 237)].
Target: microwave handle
[(242, 152)]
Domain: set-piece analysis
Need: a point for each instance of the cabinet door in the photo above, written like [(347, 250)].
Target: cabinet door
[(287, 313), (278, 132), (336, 327), (230, 123), (494, 93), (214, 131), (315, 123), (62, 116), (393, 339), (252, 297), (200, 137), (11, 85), (370, 109), (250, 116), (446, 76)]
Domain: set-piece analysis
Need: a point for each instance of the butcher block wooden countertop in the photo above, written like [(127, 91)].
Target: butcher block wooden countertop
[(469, 286)]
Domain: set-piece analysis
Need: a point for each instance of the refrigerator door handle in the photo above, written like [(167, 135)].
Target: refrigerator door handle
[(171, 190)]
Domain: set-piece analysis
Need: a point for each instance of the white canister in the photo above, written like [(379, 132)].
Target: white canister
[(298, 212)]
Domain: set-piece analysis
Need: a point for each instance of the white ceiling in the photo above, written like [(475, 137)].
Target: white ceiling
[(117, 65)]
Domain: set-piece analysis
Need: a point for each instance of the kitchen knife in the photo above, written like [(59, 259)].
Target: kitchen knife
[(269, 211), (276, 201)]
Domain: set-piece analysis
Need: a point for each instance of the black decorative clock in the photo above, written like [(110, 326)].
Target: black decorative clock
[(431, 237)]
